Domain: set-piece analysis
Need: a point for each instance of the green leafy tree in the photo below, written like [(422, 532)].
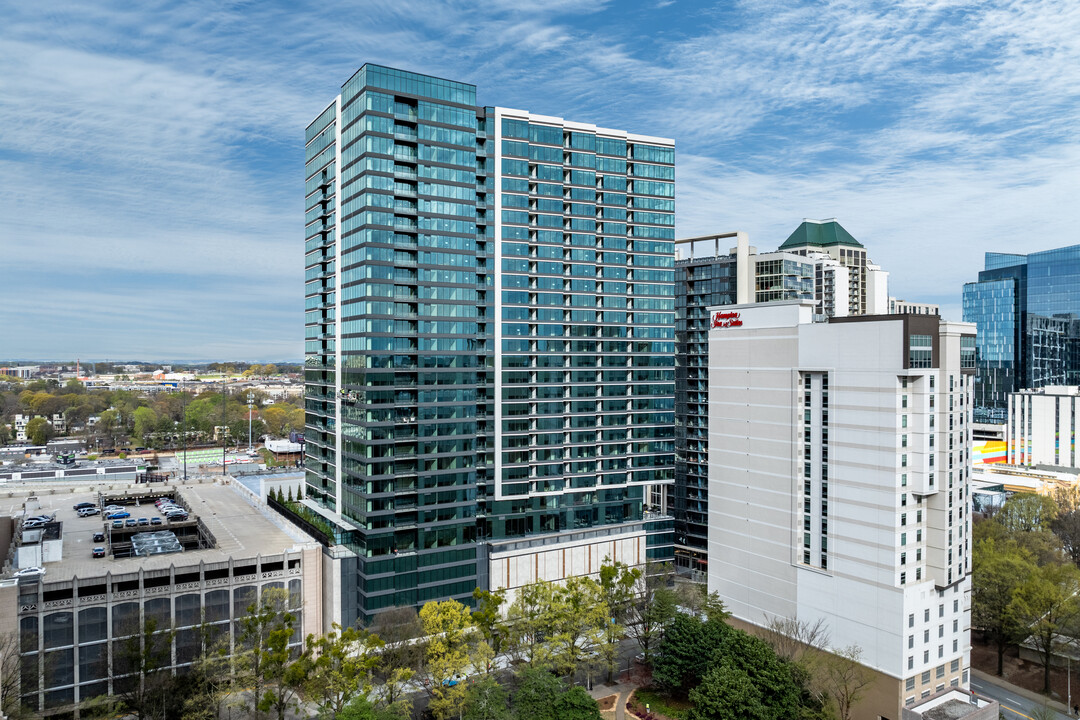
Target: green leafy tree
[(486, 700), (339, 667), (261, 631), (536, 695), (530, 621), (580, 618), (446, 654), (618, 583), (360, 708), (39, 431), (1066, 526), (1046, 603), (146, 421), (998, 569), (285, 676), (488, 617), (727, 693), (576, 704), (687, 650), (1025, 512)]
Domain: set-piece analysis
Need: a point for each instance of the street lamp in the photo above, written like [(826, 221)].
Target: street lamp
[(183, 422), (251, 400)]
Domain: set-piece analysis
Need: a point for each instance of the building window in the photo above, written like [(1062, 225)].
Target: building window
[(954, 666), (903, 578), (925, 677), (910, 643), (909, 684), (940, 671), (910, 661), (911, 620)]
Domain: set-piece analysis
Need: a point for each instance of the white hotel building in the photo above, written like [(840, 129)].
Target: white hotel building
[(838, 485)]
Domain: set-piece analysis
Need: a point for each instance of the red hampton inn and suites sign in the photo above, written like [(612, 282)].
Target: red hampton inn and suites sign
[(725, 319)]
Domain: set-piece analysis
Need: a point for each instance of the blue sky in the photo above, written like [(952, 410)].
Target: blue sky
[(151, 154)]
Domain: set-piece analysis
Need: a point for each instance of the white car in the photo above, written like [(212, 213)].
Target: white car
[(40, 518), (29, 572), (111, 508)]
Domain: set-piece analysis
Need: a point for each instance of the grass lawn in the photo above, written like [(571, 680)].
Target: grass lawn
[(660, 703)]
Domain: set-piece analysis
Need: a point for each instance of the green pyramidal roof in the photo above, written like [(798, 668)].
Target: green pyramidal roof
[(824, 233)]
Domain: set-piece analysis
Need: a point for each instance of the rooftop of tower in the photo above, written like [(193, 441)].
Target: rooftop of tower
[(820, 233)]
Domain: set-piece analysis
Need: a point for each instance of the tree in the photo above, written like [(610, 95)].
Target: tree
[(580, 618), (1067, 528), (1026, 512), (209, 676), (536, 695), (998, 569), (141, 661), (339, 667), (791, 639), (727, 693), (1046, 603), (10, 672), (39, 431), (261, 630), (486, 700), (618, 583), (446, 654), (488, 618), (576, 704), (284, 675), (530, 620), (146, 421), (687, 650), (844, 678), (401, 655)]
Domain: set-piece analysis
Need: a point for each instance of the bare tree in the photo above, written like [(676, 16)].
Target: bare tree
[(844, 678), (10, 670), (791, 638)]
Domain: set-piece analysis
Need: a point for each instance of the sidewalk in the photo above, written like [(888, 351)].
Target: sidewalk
[(623, 691), (1022, 692)]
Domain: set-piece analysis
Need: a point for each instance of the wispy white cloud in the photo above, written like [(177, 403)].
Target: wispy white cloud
[(164, 139)]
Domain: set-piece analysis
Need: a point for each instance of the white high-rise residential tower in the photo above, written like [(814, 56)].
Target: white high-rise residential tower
[(838, 485)]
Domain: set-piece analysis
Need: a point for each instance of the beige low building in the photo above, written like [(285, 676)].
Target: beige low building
[(69, 618)]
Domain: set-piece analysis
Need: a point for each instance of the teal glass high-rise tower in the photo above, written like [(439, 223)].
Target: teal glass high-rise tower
[(490, 334)]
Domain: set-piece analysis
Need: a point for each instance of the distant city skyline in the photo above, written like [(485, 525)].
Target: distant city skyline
[(152, 156)]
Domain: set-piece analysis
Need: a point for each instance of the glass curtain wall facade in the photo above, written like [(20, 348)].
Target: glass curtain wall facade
[(702, 283), (586, 310), (1027, 309), (399, 349), (457, 392)]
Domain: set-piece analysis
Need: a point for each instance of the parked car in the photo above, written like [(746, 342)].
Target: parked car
[(117, 524), (144, 521), (112, 508), (40, 518), (87, 512), (177, 517), (99, 537), (130, 522), (118, 515), (29, 572), (155, 521), (83, 505), (98, 552)]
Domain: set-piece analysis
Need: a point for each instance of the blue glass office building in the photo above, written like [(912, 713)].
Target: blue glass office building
[(490, 332), (1027, 309)]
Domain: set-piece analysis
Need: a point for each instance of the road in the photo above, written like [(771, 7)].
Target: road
[(1013, 706)]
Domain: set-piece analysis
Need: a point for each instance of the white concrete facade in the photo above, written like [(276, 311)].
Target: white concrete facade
[(1042, 426), (838, 484), (899, 306)]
